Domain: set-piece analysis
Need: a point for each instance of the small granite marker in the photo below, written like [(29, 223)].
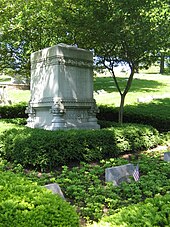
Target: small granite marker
[(55, 188), (119, 174), (167, 156)]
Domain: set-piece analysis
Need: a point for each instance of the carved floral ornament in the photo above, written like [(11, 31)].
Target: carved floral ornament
[(57, 107), (30, 111), (60, 60)]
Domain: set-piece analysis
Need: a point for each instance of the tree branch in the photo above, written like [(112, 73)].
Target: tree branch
[(111, 69)]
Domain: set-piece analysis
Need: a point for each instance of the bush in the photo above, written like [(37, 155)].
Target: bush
[(17, 121), (22, 203), (155, 114), (13, 111), (152, 212), (49, 149)]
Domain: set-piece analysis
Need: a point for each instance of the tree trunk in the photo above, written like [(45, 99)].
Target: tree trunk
[(162, 63), (123, 94), (128, 85), (121, 108)]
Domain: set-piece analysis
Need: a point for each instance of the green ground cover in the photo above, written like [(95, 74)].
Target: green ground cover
[(83, 183), (85, 188), (151, 212)]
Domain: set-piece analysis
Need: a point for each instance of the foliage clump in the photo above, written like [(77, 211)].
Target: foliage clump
[(13, 111), (23, 203), (155, 114), (152, 212), (49, 149), (94, 198)]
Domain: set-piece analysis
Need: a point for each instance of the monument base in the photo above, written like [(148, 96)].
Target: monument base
[(62, 114)]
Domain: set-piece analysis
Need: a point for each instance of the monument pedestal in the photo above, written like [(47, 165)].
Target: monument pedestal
[(62, 89)]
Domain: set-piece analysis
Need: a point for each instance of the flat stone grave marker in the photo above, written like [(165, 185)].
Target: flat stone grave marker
[(119, 174), (55, 188), (167, 156)]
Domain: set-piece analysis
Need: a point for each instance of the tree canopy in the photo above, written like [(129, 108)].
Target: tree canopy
[(25, 27), (133, 32), (124, 30)]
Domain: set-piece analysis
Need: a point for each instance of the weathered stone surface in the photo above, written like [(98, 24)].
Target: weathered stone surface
[(167, 156), (119, 174), (145, 99), (3, 94), (62, 89), (55, 188)]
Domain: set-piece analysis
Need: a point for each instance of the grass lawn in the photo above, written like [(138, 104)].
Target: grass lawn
[(143, 86), (17, 95), (105, 92)]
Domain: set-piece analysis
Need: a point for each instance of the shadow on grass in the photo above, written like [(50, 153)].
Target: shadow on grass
[(155, 113), (107, 84), (158, 108)]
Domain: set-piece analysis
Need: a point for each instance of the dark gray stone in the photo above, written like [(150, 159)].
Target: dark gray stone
[(55, 188), (119, 174)]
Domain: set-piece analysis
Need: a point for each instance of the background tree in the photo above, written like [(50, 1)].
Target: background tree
[(27, 26), (130, 32)]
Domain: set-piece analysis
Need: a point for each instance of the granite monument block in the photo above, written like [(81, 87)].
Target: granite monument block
[(62, 89)]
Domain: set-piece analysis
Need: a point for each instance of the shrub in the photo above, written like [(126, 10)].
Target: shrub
[(23, 203), (48, 149), (13, 111), (17, 121), (155, 114), (108, 113), (152, 212)]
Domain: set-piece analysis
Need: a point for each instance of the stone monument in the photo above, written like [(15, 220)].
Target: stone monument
[(62, 89)]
